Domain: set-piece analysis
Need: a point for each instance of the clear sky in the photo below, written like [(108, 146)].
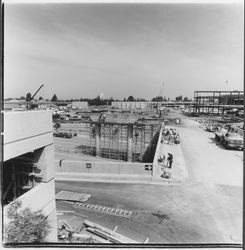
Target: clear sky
[(82, 50)]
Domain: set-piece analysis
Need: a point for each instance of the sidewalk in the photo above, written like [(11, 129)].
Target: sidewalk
[(179, 170)]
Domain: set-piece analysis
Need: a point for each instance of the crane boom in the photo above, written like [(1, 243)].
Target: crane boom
[(36, 92), (30, 104)]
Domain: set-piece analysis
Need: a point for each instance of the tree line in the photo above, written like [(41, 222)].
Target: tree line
[(99, 101)]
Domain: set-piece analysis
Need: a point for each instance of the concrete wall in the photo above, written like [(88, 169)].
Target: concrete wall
[(156, 169), (151, 149), (26, 131), (102, 168)]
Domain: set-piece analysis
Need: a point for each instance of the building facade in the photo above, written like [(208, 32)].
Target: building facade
[(129, 105), (146, 105), (28, 164)]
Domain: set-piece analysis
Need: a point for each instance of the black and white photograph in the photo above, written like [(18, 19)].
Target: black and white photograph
[(123, 123)]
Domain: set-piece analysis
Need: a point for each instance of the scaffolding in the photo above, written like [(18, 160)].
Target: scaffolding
[(19, 176)]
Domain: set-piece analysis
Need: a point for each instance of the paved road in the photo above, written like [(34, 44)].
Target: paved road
[(206, 208)]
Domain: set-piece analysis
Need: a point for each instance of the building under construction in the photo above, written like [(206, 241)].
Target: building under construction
[(217, 102)]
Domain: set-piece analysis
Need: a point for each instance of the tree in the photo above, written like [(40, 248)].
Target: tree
[(28, 96), (178, 98), (22, 98), (186, 99), (54, 98), (40, 98), (157, 99), (25, 225), (130, 99)]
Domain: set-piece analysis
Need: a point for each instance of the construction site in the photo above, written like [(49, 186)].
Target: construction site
[(124, 149), (119, 136), (138, 174), (123, 124)]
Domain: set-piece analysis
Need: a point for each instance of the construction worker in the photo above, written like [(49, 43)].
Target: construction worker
[(177, 139), (170, 138), (169, 160)]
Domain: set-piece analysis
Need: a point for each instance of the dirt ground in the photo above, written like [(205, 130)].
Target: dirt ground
[(205, 208)]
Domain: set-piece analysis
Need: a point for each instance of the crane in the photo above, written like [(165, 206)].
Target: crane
[(32, 105), (36, 92), (161, 91)]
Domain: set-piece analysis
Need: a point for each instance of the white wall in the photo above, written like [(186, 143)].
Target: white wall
[(26, 131), (102, 168)]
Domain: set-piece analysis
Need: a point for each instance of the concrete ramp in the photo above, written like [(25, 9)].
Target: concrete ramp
[(72, 196)]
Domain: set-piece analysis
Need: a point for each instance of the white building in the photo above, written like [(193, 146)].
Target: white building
[(28, 164), (129, 105), (79, 105), (146, 105)]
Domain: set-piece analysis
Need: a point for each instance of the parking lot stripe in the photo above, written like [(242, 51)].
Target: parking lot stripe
[(107, 210)]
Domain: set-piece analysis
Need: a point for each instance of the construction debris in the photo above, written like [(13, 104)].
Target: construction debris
[(72, 196), (108, 234)]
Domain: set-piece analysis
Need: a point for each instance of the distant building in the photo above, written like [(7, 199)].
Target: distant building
[(146, 105), (14, 104), (79, 105), (129, 105), (28, 164)]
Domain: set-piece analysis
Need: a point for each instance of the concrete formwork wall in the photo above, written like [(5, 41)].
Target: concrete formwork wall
[(113, 139), (101, 168)]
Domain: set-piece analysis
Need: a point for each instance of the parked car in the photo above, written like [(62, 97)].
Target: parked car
[(212, 127), (240, 113), (233, 140), (62, 135), (68, 135)]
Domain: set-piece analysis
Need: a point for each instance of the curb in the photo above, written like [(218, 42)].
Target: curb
[(114, 179)]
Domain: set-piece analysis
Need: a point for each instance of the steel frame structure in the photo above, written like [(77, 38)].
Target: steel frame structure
[(217, 102)]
